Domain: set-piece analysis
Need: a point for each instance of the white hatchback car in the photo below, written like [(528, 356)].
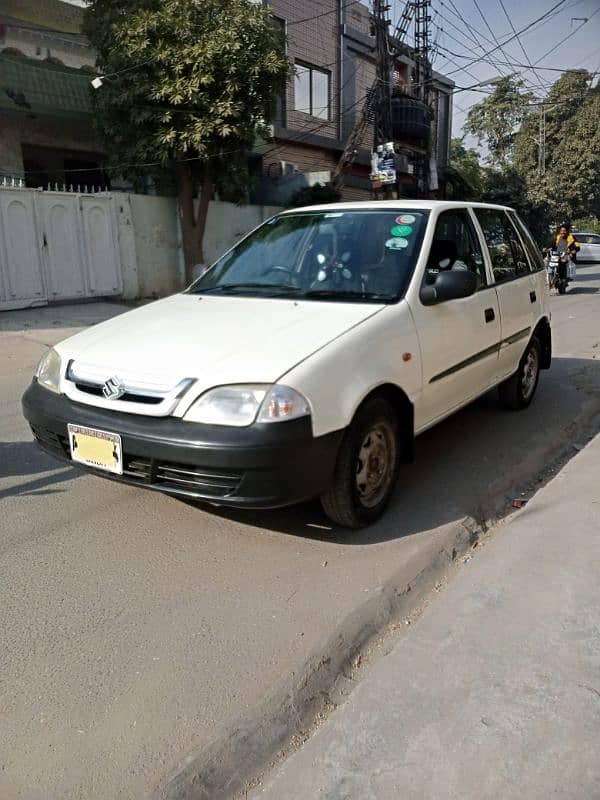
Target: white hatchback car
[(589, 247), (306, 360)]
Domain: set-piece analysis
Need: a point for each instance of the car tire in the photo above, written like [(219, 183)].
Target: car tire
[(518, 391), (367, 466)]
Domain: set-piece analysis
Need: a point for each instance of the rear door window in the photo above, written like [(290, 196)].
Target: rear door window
[(533, 251), (506, 251)]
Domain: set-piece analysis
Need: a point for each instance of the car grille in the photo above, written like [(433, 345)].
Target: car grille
[(182, 477), (167, 475)]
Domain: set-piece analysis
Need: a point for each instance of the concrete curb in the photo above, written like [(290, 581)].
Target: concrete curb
[(226, 765)]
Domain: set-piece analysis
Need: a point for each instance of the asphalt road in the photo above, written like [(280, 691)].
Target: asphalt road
[(136, 628)]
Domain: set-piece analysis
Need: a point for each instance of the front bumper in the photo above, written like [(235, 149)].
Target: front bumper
[(262, 466)]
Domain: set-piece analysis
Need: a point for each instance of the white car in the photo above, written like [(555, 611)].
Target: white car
[(589, 250), (306, 360)]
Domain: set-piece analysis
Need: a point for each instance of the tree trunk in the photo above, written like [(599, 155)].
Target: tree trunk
[(193, 223)]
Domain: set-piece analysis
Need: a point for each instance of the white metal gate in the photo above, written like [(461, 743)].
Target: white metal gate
[(56, 246)]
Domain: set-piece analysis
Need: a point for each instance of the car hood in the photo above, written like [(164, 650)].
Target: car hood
[(215, 340)]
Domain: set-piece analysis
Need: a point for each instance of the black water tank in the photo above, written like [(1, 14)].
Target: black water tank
[(411, 119)]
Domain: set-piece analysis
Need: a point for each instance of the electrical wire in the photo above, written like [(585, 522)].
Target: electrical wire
[(523, 30), (323, 14), (543, 86)]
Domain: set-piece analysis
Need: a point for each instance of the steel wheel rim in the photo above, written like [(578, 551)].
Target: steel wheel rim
[(530, 373), (375, 464)]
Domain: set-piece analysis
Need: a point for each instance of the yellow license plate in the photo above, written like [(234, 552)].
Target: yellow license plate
[(94, 448)]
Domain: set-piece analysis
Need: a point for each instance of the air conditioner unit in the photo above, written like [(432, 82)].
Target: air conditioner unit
[(287, 168)]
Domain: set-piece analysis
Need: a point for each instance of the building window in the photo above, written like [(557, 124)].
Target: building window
[(312, 91)]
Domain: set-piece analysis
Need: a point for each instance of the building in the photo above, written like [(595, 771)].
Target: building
[(46, 131), (333, 51)]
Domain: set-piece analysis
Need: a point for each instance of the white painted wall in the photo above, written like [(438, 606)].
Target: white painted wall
[(150, 239), (227, 223)]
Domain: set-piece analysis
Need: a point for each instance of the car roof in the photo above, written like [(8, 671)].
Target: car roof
[(401, 204)]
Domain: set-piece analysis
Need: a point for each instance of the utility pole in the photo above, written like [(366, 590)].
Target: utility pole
[(383, 90), (423, 75), (542, 140)]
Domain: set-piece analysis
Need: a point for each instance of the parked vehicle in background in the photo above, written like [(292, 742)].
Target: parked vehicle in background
[(306, 360), (590, 247)]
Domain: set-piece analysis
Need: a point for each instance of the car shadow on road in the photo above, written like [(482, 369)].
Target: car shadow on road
[(25, 460), (466, 465), (583, 289)]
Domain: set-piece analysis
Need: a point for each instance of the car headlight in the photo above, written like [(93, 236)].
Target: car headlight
[(242, 405), (48, 371)]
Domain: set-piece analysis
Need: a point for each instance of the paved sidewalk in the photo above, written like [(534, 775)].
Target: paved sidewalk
[(495, 690)]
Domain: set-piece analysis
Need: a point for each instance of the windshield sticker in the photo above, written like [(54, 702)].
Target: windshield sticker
[(334, 214), (406, 219), (396, 244), (401, 230)]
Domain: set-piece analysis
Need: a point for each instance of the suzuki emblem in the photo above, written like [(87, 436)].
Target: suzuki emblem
[(113, 389)]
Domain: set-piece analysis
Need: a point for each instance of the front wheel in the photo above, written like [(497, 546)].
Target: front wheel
[(517, 391), (366, 467)]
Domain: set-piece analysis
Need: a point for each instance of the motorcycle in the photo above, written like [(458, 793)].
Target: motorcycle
[(558, 270)]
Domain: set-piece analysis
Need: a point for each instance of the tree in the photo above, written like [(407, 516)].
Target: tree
[(574, 174), (465, 173), (494, 121), (189, 85)]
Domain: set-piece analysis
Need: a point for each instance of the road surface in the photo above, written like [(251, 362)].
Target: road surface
[(137, 628)]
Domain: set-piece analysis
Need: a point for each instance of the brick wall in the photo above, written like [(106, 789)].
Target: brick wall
[(313, 38), (307, 159)]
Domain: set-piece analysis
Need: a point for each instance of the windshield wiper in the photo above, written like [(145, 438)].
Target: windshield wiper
[(347, 293), (233, 287)]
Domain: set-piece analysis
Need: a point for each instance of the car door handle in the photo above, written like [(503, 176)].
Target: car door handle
[(490, 316), (532, 297)]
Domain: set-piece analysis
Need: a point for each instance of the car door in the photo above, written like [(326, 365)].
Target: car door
[(458, 338), (517, 289)]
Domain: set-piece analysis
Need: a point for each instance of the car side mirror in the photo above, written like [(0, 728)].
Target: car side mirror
[(450, 284)]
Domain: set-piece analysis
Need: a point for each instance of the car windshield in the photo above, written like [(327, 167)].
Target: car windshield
[(346, 256)]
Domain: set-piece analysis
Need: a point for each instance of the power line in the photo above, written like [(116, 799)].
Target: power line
[(528, 27), (324, 13), (515, 64), (562, 41), (542, 86)]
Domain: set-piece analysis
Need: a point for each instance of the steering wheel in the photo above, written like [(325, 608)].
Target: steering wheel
[(276, 268)]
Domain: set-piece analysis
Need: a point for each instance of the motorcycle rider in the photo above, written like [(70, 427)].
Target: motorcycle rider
[(565, 244)]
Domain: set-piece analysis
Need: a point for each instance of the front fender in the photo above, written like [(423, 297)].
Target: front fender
[(383, 350)]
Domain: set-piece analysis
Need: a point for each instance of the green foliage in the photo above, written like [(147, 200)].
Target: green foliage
[(587, 224), (465, 174), (496, 118), (569, 187), (196, 81), (314, 195), (202, 74)]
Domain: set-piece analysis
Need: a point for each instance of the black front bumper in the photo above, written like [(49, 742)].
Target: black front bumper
[(262, 466)]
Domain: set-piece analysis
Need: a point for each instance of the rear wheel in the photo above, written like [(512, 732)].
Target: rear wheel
[(517, 392), (366, 468)]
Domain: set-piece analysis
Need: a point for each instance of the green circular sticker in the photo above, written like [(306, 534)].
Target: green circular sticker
[(401, 230), (396, 244)]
